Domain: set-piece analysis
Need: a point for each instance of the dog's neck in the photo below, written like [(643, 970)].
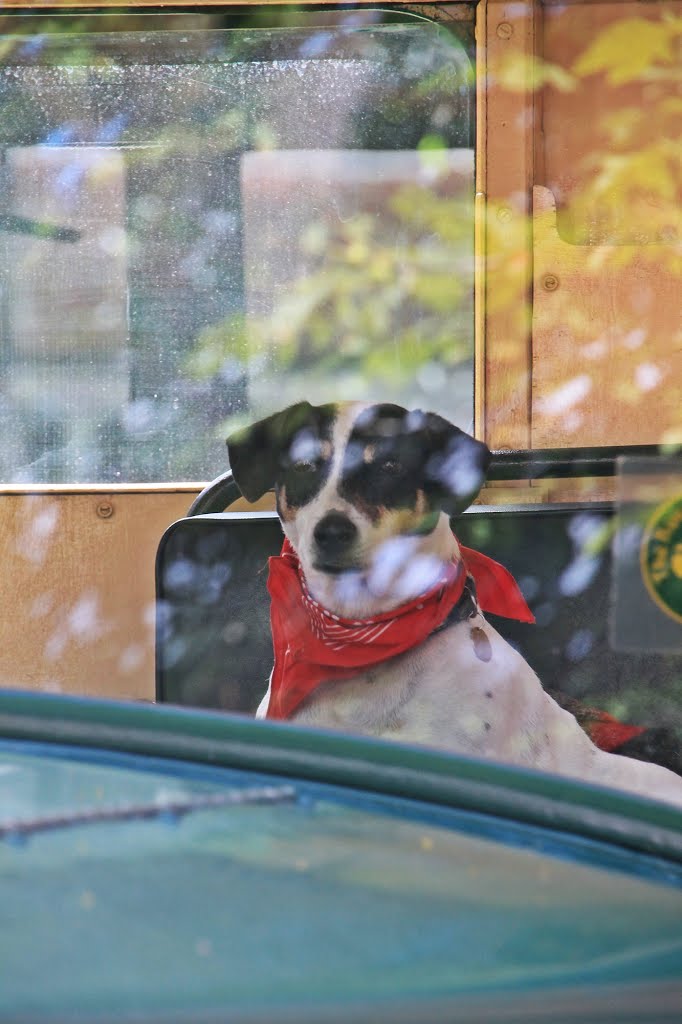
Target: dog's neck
[(401, 569)]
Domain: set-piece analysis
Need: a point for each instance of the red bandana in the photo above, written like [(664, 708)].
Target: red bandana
[(312, 645), (607, 733)]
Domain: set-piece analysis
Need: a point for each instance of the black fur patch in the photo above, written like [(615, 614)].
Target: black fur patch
[(399, 459), (305, 462), (394, 459), (384, 460), (266, 452)]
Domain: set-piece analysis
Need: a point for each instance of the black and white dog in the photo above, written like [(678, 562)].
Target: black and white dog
[(377, 609)]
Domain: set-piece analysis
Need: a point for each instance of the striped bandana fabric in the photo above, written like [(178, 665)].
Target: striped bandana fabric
[(339, 634), (312, 645)]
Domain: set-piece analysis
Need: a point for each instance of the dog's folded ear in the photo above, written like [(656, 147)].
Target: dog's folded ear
[(456, 464), (255, 452)]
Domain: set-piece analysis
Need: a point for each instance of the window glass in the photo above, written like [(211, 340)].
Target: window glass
[(200, 224), (205, 219)]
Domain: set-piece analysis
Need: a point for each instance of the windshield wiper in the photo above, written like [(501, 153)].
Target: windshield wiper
[(22, 828)]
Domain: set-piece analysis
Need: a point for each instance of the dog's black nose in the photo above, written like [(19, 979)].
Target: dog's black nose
[(334, 533)]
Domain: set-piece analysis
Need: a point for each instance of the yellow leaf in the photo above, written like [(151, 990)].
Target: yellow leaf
[(628, 49)]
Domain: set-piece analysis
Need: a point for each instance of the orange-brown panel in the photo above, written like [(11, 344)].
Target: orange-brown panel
[(506, 39), (607, 327), (612, 120), (603, 373), (77, 590)]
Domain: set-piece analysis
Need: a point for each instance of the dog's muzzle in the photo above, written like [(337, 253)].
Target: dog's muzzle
[(334, 537)]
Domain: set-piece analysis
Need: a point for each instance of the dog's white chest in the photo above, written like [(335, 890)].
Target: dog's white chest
[(454, 690), (466, 690)]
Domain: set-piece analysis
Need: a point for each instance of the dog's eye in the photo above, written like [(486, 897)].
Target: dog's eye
[(304, 466), (391, 467)]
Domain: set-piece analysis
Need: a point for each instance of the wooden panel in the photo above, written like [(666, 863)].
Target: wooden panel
[(77, 590), (612, 120), (505, 37), (604, 371), (607, 328)]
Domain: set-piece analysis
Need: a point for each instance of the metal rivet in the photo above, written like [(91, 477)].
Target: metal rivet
[(504, 214), (550, 282), (105, 510), (505, 30)]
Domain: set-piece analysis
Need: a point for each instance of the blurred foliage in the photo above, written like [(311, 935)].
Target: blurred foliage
[(632, 48), (638, 172), (366, 300), (634, 171), (381, 293)]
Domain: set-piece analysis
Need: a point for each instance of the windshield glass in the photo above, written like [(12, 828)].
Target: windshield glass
[(202, 225), (421, 269)]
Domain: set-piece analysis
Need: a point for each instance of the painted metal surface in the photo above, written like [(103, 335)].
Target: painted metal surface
[(369, 878)]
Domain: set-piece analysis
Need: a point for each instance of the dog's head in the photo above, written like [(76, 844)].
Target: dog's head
[(361, 490)]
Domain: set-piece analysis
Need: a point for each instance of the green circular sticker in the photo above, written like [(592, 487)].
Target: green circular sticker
[(661, 557)]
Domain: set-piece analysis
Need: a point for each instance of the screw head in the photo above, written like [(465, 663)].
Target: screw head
[(105, 510), (504, 214), (550, 282), (505, 30)]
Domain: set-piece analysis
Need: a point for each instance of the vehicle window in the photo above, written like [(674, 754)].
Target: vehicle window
[(470, 219), (200, 224)]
